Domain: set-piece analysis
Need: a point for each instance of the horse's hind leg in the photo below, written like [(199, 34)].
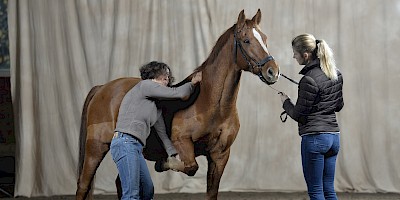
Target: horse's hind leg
[(119, 187), (94, 154)]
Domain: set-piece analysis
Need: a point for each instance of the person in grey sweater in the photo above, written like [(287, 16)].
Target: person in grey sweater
[(137, 114)]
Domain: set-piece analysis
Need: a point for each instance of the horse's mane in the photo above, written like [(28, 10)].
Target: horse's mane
[(213, 55), (216, 49), (170, 107)]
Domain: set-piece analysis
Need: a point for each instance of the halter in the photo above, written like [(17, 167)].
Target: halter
[(247, 58)]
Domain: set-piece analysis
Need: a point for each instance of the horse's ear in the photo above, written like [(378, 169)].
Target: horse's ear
[(241, 20), (257, 18)]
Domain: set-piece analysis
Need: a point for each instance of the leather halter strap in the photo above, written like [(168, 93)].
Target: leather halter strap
[(237, 44)]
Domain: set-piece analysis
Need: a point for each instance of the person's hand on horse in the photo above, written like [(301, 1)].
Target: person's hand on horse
[(175, 163), (197, 78), (283, 96)]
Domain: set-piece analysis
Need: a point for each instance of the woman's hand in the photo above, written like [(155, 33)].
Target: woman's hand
[(283, 96), (197, 78)]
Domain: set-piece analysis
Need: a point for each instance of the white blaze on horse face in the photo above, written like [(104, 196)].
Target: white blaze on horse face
[(259, 38)]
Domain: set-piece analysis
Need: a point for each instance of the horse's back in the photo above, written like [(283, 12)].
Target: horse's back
[(104, 106)]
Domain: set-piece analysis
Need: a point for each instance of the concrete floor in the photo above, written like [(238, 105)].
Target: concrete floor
[(233, 196)]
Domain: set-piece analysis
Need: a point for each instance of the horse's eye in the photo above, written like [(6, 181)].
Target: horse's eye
[(246, 41)]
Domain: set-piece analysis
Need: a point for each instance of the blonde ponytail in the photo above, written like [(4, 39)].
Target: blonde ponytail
[(319, 49), (325, 55)]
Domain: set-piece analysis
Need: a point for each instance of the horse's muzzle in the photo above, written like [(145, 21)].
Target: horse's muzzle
[(271, 75)]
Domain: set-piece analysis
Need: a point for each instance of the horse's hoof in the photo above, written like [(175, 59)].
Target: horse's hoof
[(159, 166), (191, 171)]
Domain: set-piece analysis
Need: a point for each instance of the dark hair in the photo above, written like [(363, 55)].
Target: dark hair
[(155, 69)]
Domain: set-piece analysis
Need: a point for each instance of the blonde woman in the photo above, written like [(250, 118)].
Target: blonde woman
[(319, 98)]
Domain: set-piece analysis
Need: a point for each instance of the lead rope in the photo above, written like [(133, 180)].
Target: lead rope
[(284, 115)]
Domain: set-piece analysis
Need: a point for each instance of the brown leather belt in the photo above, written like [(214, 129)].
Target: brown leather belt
[(116, 134)]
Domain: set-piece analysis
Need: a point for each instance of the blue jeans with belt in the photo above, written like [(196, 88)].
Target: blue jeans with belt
[(126, 151), (319, 153)]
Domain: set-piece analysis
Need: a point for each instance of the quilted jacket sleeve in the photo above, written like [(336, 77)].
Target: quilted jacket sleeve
[(340, 102), (307, 93)]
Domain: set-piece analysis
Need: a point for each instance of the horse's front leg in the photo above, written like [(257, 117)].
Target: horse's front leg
[(183, 129), (185, 147), (175, 164), (216, 164), (218, 155), (172, 163)]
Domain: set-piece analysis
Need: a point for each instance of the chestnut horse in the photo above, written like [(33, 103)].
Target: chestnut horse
[(205, 124)]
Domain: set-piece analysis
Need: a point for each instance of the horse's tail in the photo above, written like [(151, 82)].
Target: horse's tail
[(83, 130)]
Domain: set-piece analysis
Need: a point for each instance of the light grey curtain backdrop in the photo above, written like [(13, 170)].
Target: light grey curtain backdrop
[(60, 49)]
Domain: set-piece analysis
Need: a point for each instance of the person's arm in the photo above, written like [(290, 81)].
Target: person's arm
[(155, 90), (161, 132), (158, 91), (308, 90), (340, 102), (339, 105)]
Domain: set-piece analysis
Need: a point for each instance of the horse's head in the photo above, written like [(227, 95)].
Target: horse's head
[(250, 49)]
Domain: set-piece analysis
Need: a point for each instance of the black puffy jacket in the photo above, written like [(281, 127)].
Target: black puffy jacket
[(318, 99)]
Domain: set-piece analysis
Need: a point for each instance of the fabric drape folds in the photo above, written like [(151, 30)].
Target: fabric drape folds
[(59, 50)]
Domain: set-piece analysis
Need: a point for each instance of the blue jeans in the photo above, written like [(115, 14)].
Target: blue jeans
[(136, 182), (319, 153)]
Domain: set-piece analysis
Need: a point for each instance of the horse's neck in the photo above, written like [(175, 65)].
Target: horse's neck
[(221, 81)]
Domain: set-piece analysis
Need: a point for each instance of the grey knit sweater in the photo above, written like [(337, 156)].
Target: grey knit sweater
[(138, 111)]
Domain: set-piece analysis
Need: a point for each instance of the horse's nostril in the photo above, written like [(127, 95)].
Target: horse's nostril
[(270, 72)]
